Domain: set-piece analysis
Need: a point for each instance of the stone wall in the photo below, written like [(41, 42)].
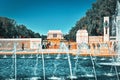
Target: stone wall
[(27, 43), (95, 39)]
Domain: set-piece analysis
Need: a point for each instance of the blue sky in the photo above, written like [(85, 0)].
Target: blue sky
[(43, 15)]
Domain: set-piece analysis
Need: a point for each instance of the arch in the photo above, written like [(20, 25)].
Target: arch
[(93, 45), (106, 45), (98, 45), (9, 45), (110, 44), (0, 45), (89, 46)]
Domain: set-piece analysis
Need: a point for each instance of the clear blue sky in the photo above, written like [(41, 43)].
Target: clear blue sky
[(43, 15)]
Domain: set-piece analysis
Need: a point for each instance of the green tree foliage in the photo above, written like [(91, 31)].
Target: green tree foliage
[(93, 21), (9, 29)]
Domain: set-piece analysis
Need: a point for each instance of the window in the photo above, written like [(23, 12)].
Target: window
[(54, 35), (106, 30), (106, 23)]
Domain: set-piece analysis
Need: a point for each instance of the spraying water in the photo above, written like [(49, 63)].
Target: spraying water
[(85, 46), (118, 34), (59, 50), (69, 61), (35, 68), (43, 62), (76, 62), (93, 66), (14, 52)]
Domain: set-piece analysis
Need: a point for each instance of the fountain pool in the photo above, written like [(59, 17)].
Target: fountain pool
[(84, 71)]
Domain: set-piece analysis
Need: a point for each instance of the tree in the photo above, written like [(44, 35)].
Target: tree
[(9, 29), (93, 21)]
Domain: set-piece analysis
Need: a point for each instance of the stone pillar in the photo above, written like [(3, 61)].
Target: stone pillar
[(118, 33), (106, 29), (118, 28), (82, 36)]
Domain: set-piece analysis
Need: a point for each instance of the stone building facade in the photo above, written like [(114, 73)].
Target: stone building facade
[(55, 34), (26, 43)]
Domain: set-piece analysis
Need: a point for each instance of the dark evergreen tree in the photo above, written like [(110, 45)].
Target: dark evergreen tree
[(9, 29), (93, 21)]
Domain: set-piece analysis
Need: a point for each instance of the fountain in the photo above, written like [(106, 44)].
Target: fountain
[(78, 69), (113, 63), (102, 59), (14, 53), (69, 61), (13, 66), (78, 52), (106, 67), (12, 56), (118, 30), (48, 56), (61, 49), (36, 67), (86, 47), (58, 56), (31, 56), (93, 67), (115, 60), (5, 56), (43, 62), (39, 56), (76, 62), (75, 68), (54, 77), (23, 56)]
